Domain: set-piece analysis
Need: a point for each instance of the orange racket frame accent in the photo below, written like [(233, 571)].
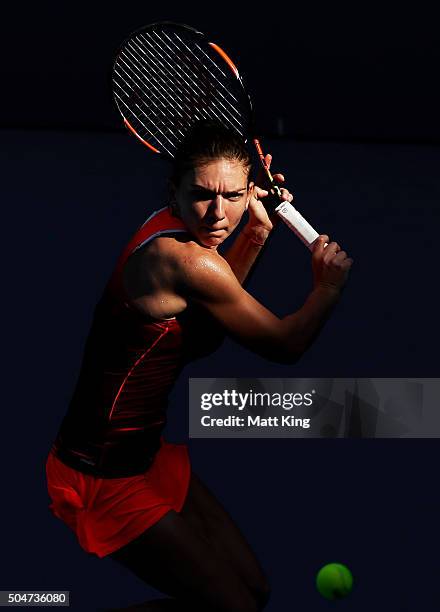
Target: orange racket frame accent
[(226, 57), (141, 139)]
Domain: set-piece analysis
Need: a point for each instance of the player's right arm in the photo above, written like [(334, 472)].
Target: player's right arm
[(204, 277)]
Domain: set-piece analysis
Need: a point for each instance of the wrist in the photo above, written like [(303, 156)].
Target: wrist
[(327, 291), (256, 234)]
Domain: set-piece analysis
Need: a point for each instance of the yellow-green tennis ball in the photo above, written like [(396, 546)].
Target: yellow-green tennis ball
[(334, 581)]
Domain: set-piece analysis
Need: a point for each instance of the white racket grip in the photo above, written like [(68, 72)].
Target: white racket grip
[(293, 219)]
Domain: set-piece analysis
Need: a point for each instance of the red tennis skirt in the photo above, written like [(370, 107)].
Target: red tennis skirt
[(108, 513)]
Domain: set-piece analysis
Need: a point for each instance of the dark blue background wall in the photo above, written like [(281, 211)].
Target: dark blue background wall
[(334, 71), (71, 199), (71, 202)]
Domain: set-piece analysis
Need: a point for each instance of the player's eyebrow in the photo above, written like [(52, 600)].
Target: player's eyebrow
[(239, 191), (226, 193)]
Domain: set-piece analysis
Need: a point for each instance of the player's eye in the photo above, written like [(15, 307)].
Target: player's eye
[(234, 197), (201, 195)]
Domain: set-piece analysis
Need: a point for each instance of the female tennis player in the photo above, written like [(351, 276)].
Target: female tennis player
[(112, 478)]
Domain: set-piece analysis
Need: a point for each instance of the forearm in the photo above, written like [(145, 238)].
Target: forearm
[(245, 250), (300, 329)]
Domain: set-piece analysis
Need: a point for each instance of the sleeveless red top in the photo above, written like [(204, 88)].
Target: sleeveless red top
[(118, 410)]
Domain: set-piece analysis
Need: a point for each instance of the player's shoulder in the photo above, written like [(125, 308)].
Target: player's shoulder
[(194, 265), (184, 252)]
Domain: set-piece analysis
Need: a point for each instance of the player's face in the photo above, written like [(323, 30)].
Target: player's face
[(212, 198)]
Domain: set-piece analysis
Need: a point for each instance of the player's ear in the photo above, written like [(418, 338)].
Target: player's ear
[(172, 202), (251, 186)]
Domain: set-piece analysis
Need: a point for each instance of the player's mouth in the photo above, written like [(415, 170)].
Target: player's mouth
[(214, 230)]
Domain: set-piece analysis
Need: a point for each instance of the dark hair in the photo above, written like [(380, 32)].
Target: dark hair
[(206, 141)]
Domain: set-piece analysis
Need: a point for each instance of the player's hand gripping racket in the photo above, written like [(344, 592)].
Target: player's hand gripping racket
[(167, 76)]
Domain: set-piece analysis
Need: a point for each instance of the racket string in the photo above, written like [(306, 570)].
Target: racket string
[(163, 86), (136, 93), (221, 71), (166, 81), (191, 86), (156, 127), (212, 101), (153, 135), (168, 107), (193, 91), (199, 61), (159, 109), (173, 74)]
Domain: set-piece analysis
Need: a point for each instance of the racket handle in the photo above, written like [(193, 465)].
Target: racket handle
[(291, 217), (296, 222)]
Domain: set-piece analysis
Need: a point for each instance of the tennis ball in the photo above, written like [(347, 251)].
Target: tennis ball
[(334, 581)]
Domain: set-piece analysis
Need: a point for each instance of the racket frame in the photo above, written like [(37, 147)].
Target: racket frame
[(285, 210)]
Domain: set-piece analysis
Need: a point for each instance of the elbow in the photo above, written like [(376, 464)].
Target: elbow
[(290, 349), (288, 345)]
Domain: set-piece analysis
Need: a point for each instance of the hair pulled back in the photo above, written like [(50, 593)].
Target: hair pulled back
[(207, 141)]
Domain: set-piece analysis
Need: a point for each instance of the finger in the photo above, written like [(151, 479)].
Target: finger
[(259, 192), (319, 245), (347, 262), (330, 251), (268, 160), (339, 258), (286, 195), (278, 177), (333, 247)]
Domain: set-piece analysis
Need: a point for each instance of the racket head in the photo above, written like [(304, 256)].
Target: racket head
[(167, 76)]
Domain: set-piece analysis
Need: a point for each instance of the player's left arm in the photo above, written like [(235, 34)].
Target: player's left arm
[(247, 246)]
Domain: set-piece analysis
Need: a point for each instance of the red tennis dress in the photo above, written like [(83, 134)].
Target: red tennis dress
[(110, 473)]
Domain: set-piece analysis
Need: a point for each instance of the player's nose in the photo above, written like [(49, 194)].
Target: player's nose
[(217, 208)]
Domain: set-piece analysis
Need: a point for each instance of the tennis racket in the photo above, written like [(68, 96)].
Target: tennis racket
[(166, 76)]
